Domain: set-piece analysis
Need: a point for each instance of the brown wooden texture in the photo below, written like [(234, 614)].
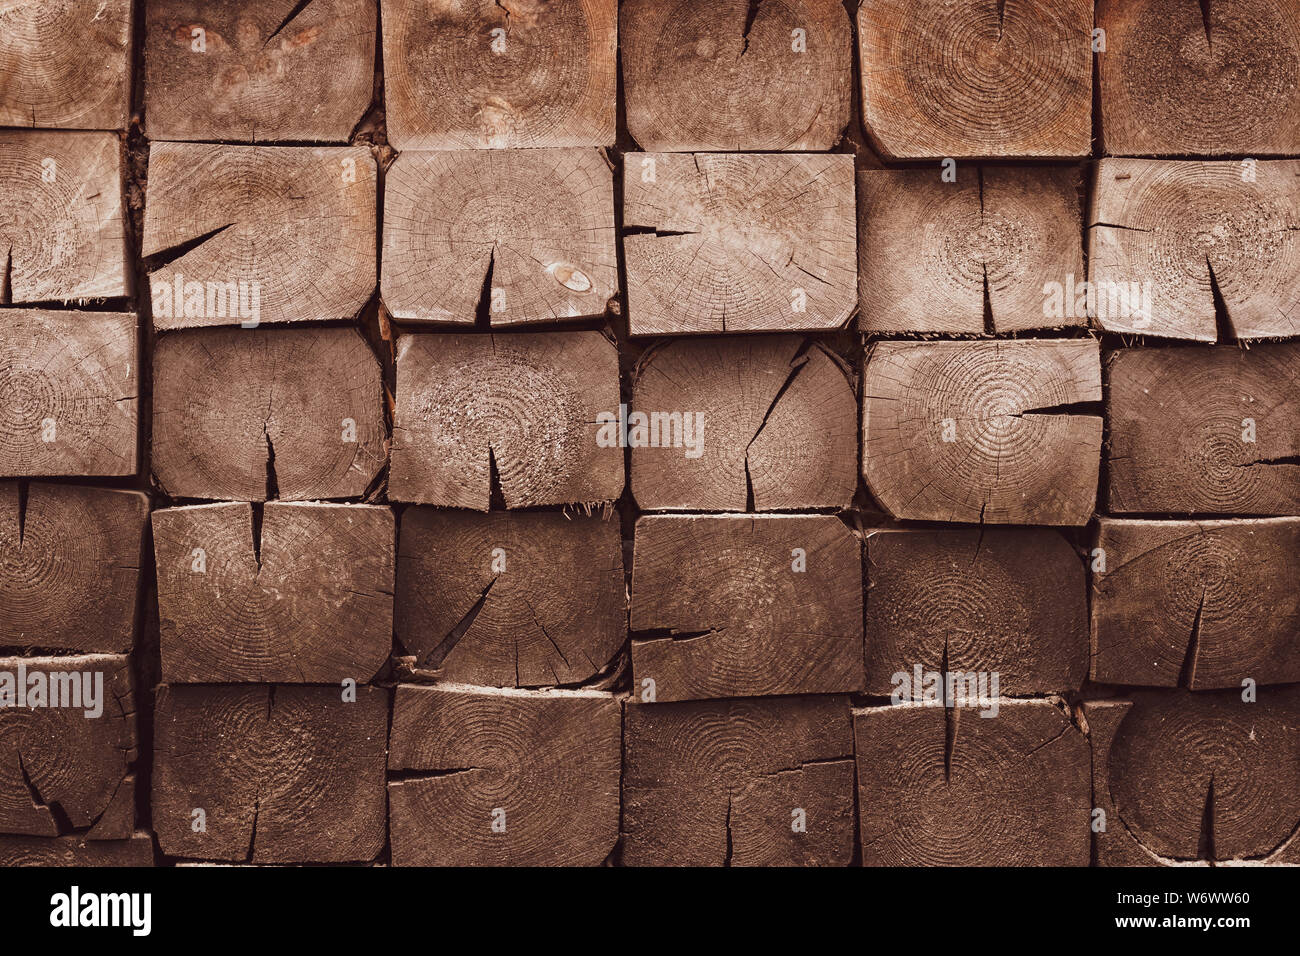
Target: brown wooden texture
[(968, 256), (482, 777), (284, 774), (287, 232), (63, 232), (524, 405), (1179, 421), (718, 783), (746, 606), (951, 788), (1198, 604), (137, 850), (1010, 601), (735, 75), (524, 235), (718, 242), (1218, 77), (510, 599), (305, 596), (252, 414), (257, 71), (61, 767), (977, 79), (987, 432), (70, 566), (483, 74), (1185, 240), (68, 393)]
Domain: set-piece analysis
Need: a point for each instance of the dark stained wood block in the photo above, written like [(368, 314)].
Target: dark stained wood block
[(746, 606), (306, 596), (68, 389), (482, 777), (1179, 421), (977, 79), (508, 599), (1011, 601), (283, 774), (525, 405), (259, 71), (70, 566), (732, 75), (988, 432), (253, 414), (523, 235), (719, 242), (1168, 242), (940, 788), (482, 74), (1208, 79), (243, 235), (75, 851), (721, 783), (63, 228), (62, 767), (969, 256)]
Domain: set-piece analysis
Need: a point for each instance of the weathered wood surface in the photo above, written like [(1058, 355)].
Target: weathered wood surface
[(482, 74), (70, 560), (1214, 78), (1009, 601), (1171, 244), (746, 606), (978, 79), (968, 256), (951, 788), (137, 850), (773, 426), (507, 599), (257, 71), (988, 432), (483, 777), (524, 406), (718, 242), (68, 393), (62, 767), (520, 235), (718, 783), (305, 596), (243, 235), (62, 229), (283, 774), (1204, 431), (254, 414), (735, 75)]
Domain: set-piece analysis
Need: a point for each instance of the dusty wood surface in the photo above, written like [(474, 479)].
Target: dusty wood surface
[(510, 599), (1180, 420), (257, 71), (68, 388), (735, 75), (284, 774), (302, 593), (746, 606), (718, 242), (521, 235), (482, 74), (288, 232), (523, 405), (988, 432), (1183, 240), (74, 851), (951, 788), (968, 256), (482, 777), (253, 414), (70, 560)]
